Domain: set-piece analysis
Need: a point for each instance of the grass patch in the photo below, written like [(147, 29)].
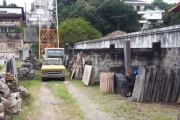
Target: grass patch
[(67, 106), (2, 67), (18, 64), (121, 107), (28, 106)]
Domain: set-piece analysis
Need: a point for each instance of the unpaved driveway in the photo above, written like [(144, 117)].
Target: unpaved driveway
[(45, 104), (91, 110)]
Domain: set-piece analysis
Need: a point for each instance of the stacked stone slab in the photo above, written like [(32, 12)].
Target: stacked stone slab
[(27, 69), (156, 85), (11, 103)]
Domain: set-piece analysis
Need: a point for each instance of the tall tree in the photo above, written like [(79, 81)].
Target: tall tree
[(112, 8), (157, 4), (171, 18), (76, 30), (99, 14), (4, 3)]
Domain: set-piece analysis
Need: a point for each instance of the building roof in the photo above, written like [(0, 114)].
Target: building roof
[(175, 8), (10, 7), (11, 15), (115, 33)]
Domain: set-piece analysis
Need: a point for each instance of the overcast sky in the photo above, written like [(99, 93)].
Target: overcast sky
[(21, 3)]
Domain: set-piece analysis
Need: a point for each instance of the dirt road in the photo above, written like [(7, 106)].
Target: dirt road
[(45, 104), (92, 112)]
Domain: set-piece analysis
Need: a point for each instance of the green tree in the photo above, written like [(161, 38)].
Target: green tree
[(76, 30), (4, 3), (171, 18), (99, 13), (157, 4), (35, 48), (18, 28), (111, 8)]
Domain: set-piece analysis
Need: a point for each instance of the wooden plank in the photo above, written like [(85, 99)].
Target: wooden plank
[(159, 86), (175, 86), (146, 83), (73, 71), (163, 88), (178, 97), (169, 85), (155, 83), (107, 82), (139, 85), (87, 75), (77, 72)]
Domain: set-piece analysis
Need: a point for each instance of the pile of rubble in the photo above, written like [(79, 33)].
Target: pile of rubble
[(11, 96), (28, 67)]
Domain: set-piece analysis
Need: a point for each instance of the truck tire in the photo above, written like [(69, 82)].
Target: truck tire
[(63, 78), (43, 79)]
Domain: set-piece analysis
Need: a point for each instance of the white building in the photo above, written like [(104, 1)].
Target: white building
[(146, 17), (39, 13)]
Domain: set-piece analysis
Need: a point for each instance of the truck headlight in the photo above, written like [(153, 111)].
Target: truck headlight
[(43, 72), (63, 72)]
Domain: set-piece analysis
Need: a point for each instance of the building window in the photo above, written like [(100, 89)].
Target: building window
[(3, 29), (1, 20), (138, 8), (12, 20), (3, 12)]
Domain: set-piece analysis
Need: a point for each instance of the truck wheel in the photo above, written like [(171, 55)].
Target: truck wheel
[(43, 79), (128, 93), (63, 78)]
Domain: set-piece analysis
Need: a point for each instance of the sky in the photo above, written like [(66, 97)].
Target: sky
[(28, 2)]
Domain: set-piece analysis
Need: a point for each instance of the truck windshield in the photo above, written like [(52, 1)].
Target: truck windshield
[(52, 62), (54, 52)]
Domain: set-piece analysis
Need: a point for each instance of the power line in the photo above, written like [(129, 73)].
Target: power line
[(118, 19)]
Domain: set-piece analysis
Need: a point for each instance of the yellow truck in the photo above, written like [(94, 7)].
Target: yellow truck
[(52, 68), (53, 64)]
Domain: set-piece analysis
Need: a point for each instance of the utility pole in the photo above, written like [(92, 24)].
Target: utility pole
[(25, 14), (118, 19)]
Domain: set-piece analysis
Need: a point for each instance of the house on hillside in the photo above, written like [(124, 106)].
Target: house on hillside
[(146, 17), (9, 17)]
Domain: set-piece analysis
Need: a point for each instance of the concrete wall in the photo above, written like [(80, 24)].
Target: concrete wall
[(9, 42), (105, 60), (167, 36)]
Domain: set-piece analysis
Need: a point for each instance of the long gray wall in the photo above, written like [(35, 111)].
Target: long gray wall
[(169, 37)]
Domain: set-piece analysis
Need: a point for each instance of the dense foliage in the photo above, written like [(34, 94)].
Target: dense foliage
[(35, 48), (18, 28), (76, 30), (99, 13), (157, 4)]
